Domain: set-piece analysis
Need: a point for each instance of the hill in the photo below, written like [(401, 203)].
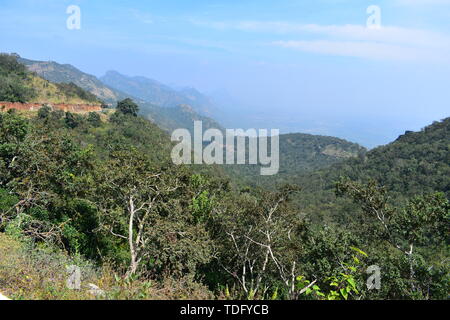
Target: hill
[(168, 118), (17, 84), (85, 187), (159, 94), (66, 73), (299, 154), (416, 163)]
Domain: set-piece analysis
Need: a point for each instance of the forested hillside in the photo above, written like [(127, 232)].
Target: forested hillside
[(101, 192), (19, 85), (66, 73), (169, 116), (299, 154), (91, 187), (416, 163)]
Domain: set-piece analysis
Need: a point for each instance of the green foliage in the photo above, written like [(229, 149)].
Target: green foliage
[(201, 207), (72, 120), (94, 119), (71, 90), (301, 153), (414, 231), (107, 190), (128, 107), (342, 285), (14, 85), (44, 112)]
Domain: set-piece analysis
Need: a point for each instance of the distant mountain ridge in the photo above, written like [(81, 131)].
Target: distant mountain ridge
[(22, 89), (66, 73), (158, 93), (167, 118), (300, 153)]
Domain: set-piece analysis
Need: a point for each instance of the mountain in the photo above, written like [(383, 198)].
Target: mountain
[(17, 84), (159, 94), (66, 73), (182, 116), (167, 107), (414, 164), (299, 154), (168, 118)]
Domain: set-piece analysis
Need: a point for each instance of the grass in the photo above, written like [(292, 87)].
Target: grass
[(39, 272), (48, 92)]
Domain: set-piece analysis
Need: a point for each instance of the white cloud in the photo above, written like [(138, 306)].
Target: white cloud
[(370, 50), (386, 43)]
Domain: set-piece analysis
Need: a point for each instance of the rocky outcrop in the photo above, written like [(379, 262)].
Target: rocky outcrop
[(75, 108)]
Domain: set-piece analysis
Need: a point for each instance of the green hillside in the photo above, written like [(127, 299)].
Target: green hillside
[(416, 163), (299, 154), (83, 187), (101, 191), (17, 84), (167, 117), (66, 73)]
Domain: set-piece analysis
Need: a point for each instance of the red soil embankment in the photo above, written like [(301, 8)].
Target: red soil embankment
[(75, 108)]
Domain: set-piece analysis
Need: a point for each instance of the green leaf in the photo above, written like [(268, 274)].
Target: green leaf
[(359, 251), (344, 293), (352, 282)]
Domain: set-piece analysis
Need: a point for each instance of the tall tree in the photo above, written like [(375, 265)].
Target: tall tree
[(128, 106)]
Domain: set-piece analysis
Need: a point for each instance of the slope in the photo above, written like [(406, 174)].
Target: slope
[(168, 119), (17, 84), (159, 94)]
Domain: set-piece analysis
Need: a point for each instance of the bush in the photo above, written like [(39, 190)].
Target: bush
[(14, 86)]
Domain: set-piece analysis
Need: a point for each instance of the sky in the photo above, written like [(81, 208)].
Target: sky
[(312, 66)]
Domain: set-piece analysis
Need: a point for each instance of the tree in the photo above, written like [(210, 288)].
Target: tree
[(404, 228), (134, 189), (71, 120), (128, 107), (260, 242), (94, 119), (14, 84), (44, 112), (13, 131)]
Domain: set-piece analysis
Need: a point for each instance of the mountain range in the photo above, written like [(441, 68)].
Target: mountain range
[(172, 108), (167, 107), (158, 93)]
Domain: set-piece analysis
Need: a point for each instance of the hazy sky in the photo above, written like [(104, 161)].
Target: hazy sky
[(298, 65)]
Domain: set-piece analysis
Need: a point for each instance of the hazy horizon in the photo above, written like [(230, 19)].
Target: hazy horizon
[(300, 66)]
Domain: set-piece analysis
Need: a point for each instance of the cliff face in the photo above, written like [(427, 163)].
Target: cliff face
[(74, 108)]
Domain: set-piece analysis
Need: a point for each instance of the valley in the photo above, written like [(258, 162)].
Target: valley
[(96, 187)]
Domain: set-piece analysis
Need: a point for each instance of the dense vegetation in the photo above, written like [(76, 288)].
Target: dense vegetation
[(101, 191), (14, 80), (108, 191), (299, 154), (174, 113)]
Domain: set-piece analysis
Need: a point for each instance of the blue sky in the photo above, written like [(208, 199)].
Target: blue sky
[(298, 65)]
